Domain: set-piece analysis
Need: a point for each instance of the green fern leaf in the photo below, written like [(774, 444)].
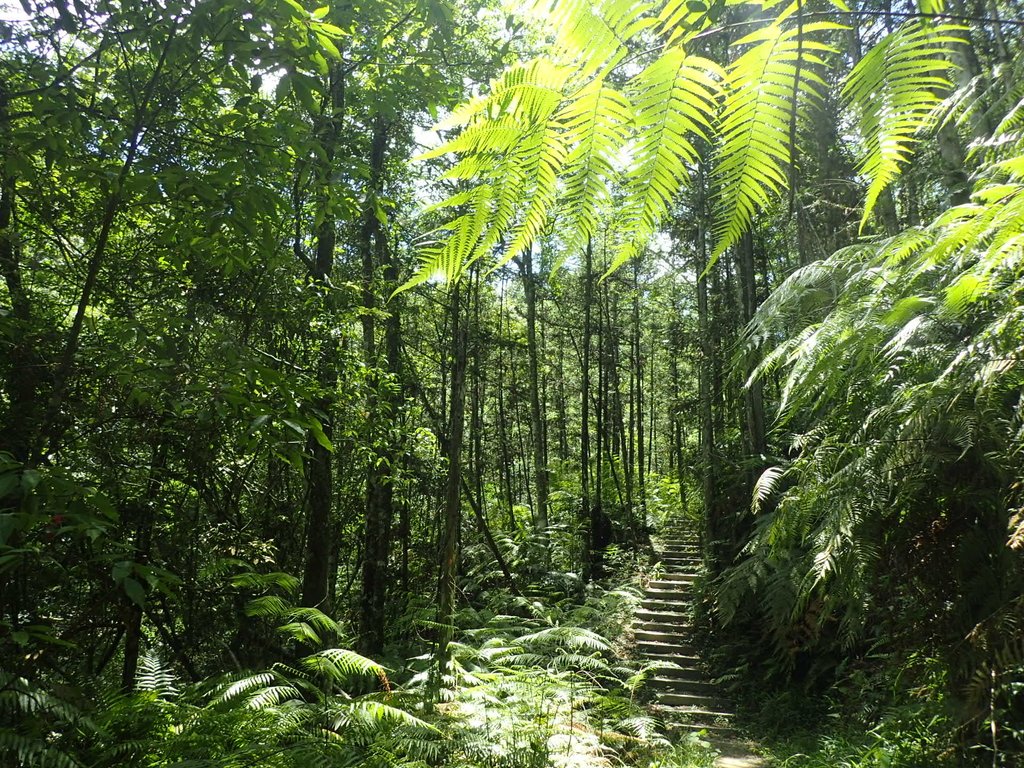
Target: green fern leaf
[(755, 151), (896, 88), (675, 99), (597, 122)]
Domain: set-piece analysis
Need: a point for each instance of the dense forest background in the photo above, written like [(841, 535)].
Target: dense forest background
[(328, 436)]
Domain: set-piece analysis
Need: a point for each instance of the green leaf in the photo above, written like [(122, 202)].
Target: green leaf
[(318, 434), (135, 591), (897, 88)]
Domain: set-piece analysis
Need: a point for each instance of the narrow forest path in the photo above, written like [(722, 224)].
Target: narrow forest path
[(685, 696)]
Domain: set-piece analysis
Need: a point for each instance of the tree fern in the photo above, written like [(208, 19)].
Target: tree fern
[(548, 141), (896, 88), (767, 87), (599, 121), (675, 99), (900, 362), (594, 35)]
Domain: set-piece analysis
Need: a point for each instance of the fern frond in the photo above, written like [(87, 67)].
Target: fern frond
[(592, 34), (597, 122), (341, 665), (896, 89), (766, 88), (675, 100)]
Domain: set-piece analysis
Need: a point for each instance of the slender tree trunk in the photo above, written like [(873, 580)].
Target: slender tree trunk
[(23, 361), (319, 468), (563, 416), (536, 412), (145, 512), (753, 395), (705, 369), (638, 368), (452, 505), (504, 442), (598, 528), (652, 397), (587, 507), (383, 404)]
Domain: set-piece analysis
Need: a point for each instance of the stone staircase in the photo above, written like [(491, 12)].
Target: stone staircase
[(684, 696)]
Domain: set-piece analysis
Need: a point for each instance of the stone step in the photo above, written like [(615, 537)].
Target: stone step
[(672, 723), (655, 636), (665, 604), (679, 590), (719, 717), (695, 700), (671, 627), (683, 673), (669, 577), (685, 538), (679, 659), (681, 586), (653, 647), (678, 560), (673, 685), (681, 618)]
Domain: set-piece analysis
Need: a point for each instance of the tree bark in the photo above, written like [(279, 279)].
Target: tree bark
[(452, 504), (383, 404), (319, 467), (540, 469), (587, 505)]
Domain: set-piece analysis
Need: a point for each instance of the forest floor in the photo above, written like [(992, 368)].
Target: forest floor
[(736, 754)]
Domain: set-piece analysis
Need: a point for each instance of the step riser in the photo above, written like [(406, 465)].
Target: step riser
[(680, 622), (662, 637), (667, 606), (686, 674), (680, 594), (649, 648), (705, 703), (686, 661), (698, 687), (672, 628)]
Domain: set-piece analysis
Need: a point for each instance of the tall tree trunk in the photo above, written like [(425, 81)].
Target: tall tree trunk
[(145, 513), (638, 368), (452, 500), (24, 364), (753, 395), (504, 443), (598, 528), (319, 467), (588, 506), (705, 368), (383, 404), (540, 469)]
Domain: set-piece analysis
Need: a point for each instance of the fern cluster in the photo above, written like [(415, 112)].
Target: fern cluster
[(898, 362), (602, 132)]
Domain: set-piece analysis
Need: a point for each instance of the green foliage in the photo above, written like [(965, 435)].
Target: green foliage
[(768, 86), (882, 716), (899, 389), (554, 695), (557, 138), (897, 88)]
